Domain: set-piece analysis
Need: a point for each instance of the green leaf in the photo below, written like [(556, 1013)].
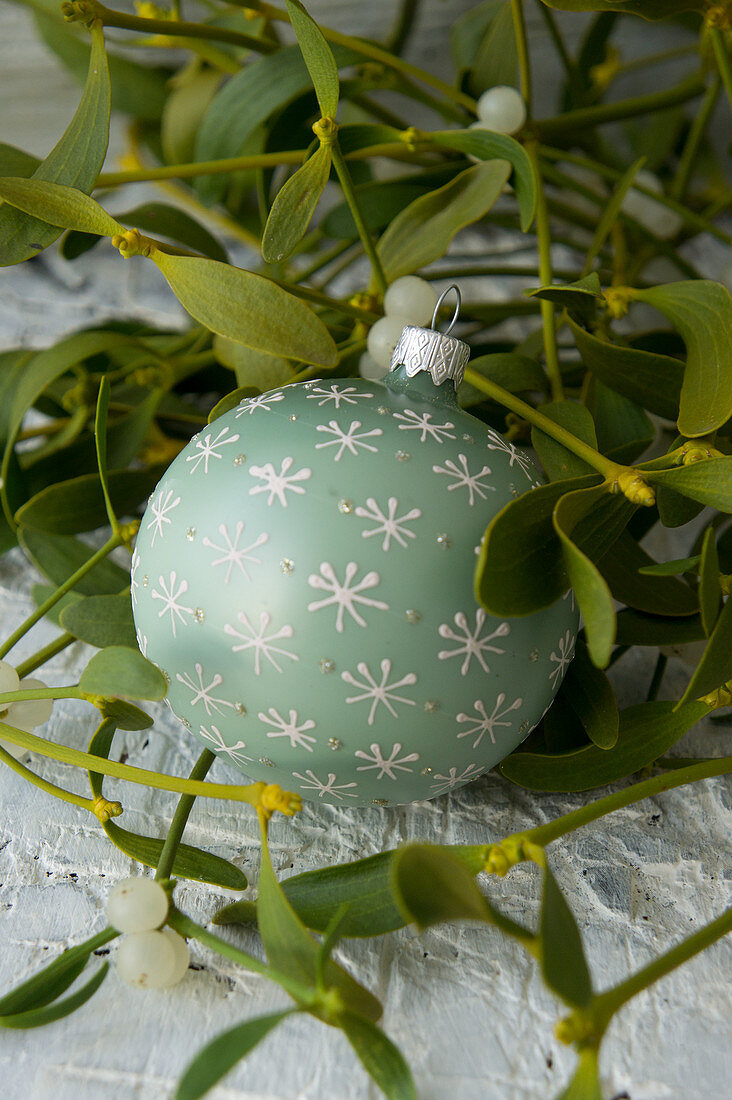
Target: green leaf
[(488, 146), (59, 205), (16, 162), (715, 668), (468, 30), (221, 1055), (624, 429), (190, 863), (47, 985), (100, 440), (647, 9), (636, 628), (38, 1017), (520, 566), (41, 592), (708, 481), (558, 462), (380, 201), (658, 595), (563, 960), (101, 621), (431, 886), (673, 509), (58, 557), (291, 949), (75, 160), (121, 673), (579, 299), (317, 56), (701, 311), (253, 369), (710, 594), (611, 212), (126, 716), (170, 221), (650, 380), (226, 404), (585, 1084), (515, 373), (248, 308), (590, 695), (380, 1058), (647, 731), (78, 505), (424, 230), (496, 60), (591, 590), (672, 568), (185, 107), (294, 206)]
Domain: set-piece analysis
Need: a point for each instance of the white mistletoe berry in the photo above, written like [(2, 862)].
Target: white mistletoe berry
[(411, 297), (137, 905), (501, 109)]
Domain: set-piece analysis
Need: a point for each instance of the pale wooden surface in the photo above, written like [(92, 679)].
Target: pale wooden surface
[(465, 1006)]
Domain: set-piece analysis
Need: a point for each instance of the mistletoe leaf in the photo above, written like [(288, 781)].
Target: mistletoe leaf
[(16, 162), (121, 673), (657, 595), (624, 429), (317, 56), (590, 695), (637, 628), (423, 231), (248, 308), (558, 462), (381, 1059), (253, 369), (170, 221), (496, 59), (715, 668), (59, 205), (701, 311), (126, 716), (101, 621), (59, 556), (78, 505), (38, 1017), (563, 960), (221, 1055), (41, 592), (190, 862), (47, 985), (707, 482), (651, 380), (75, 160), (520, 566), (647, 731), (431, 886), (579, 298), (487, 146), (710, 594), (294, 206), (647, 9)]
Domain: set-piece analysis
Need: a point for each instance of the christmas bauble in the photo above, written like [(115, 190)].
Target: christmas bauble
[(303, 576)]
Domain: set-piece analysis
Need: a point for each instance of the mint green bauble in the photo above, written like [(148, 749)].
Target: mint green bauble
[(304, 577)]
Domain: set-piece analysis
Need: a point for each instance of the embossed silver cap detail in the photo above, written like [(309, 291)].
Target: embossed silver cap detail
[(425, 349)]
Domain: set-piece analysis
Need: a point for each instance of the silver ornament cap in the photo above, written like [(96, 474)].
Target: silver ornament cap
[(442, 356)]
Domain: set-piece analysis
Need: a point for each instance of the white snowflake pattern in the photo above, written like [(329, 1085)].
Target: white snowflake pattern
[(261, 401), (171, 596), (349, 395), (346, 441), (142, 642), (200, 692), (422, 422), (484, 722), (386, 765), (310, 782), (291, 729), (562, 657), (134, 583), (517, 457), (260, 641), (279, 484), (471, 643), (231, 553), (160, 506), (206, 449), (390, 525), (382, 692), (569, 595), (345, 596), (464, 478), (447, 782), (215, 738)]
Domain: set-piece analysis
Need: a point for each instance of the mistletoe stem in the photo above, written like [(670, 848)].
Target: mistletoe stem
[(522, 47), (44, 785), (571, 122), (200, 168), (173, 28), (402, 26), (694, 140), (544, 243), (186, 927), (721, 56), (111, 544), (605, 466), (56, 646), (180, 817), (648, 788), (349, 193)]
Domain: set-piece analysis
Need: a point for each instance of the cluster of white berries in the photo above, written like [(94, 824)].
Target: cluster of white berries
[(408, 301), (660, 220), (148, 956), (23, 715)]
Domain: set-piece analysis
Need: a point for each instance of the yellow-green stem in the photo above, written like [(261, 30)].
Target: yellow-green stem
[(200, 168), (722, 57), (181, 29), (583, 118), (43, 784), (37, 659), (544, 245), (522, 47), (180, 817), (349, 193)]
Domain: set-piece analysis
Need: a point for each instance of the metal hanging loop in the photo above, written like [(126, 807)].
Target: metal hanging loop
[(455, 315)]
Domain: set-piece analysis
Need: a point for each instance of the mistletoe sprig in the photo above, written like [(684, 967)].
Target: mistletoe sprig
[(632, 428)]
